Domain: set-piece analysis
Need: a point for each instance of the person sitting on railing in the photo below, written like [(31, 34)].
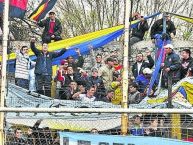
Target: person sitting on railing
[(157, 28), (138, 32), (52, 28)]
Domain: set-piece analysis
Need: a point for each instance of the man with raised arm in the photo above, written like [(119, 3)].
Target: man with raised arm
[(43, 68)]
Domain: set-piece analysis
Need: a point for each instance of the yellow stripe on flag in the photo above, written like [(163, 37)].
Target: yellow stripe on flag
[(41, 8), (77, 40), (190, 20)]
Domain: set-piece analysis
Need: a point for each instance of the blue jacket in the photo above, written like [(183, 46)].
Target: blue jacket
[(142, 82), (39, 68)]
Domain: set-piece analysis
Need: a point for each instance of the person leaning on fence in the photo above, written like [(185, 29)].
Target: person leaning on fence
[(43, 68), (138, 32), (171, 66), (52, 28), (157, 28)]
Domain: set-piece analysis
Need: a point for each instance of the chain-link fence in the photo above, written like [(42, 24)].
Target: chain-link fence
[(41, 129)]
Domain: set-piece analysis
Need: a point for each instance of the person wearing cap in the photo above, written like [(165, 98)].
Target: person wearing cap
[(157, 28), (106, 73), (186, 62), (143, 79), (171, 65), (140, 63), (138, 32), (52, 28), (43, 68)]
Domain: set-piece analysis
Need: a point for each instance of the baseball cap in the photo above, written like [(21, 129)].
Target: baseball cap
[(169, 46), (50, 13), (64, 62)]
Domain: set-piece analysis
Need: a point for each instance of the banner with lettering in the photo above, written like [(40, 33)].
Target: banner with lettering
[(68, 138)]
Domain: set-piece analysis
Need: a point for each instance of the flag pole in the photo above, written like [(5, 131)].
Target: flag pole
[(4, 63), (124, 117)]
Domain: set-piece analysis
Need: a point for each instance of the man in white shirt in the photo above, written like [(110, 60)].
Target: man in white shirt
[(88, 97)]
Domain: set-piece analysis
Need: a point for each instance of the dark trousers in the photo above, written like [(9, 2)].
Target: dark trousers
[(22, 83), (43, 84), (47, 38)]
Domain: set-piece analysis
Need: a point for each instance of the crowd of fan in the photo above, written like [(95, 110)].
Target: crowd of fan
[(103, 82)]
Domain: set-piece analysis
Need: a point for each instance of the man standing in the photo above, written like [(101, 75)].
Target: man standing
[(171, 66), (22, 65), (52, 30), (139, 31), (186, 62), (106, 73), (140, 63), (43, 68)]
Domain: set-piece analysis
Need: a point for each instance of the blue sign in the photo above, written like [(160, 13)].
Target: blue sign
[(67, 138)]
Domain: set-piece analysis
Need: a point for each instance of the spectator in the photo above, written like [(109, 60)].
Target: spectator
[(94, 131), (116, 85), (108, 98), (154, 129), (106, 73), (171, 66), (143, 79), (95, 80), (117, 66), (137, 126), (140, 63), (138, 32), (78, 63), (42, 135), (157, 28), (88, 97), (186, 62), (18, 140), (43, 68), (30, 137), (71, 76), (22, 68), (96, 60), (52, 28), (134, 95)]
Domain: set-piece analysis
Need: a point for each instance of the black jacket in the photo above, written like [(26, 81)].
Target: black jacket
[(157, 28), (185, 65), (46, 23), (144, 65), (140, 29), (39, 68), (172, 61)]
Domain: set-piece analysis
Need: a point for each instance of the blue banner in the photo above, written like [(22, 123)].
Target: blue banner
[(67, 138)]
